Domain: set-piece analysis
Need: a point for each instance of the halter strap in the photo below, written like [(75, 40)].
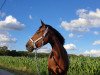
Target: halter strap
[(34, 42)]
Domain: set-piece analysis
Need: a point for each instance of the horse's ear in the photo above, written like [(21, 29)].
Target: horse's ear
[(42, 23)]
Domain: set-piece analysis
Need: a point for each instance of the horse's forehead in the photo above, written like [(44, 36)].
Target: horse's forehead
[(42, 28)]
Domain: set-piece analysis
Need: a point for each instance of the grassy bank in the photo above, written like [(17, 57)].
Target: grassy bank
[(79, 65)]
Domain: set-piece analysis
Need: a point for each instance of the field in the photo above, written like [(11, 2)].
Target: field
[(79, 65)]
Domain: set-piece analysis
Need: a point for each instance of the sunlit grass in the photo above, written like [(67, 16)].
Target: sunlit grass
[(79, 65)]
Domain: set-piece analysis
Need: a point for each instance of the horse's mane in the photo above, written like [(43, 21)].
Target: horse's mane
[(60, 37)]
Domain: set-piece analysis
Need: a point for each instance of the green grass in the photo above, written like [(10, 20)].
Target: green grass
[(79, 65), (84, 66)]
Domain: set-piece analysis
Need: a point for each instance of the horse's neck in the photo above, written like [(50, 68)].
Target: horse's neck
[(56, 45)]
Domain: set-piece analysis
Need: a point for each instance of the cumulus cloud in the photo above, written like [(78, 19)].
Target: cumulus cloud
[(30, 17), (79, 36), (3, 44), (71, 35), (86, 21), (70, 46), (44, 50), (11, 23), (92, 52), (96, 32), (5, 39), (97, 42)]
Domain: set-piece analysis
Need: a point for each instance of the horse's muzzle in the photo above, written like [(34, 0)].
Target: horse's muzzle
[(29, 48)]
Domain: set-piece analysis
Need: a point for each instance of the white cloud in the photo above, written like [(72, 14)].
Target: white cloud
[(71, 35), (79, 36), (30, 17), (3, 44), (5, 39), (96, 33), (86, 21), (97, 42), (92, 52), (44, 50), (70, 46), (11, 23)]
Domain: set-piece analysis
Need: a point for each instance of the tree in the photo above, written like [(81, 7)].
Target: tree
[(4, 48)]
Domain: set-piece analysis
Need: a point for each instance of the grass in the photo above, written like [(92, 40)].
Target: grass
[(79, 65)]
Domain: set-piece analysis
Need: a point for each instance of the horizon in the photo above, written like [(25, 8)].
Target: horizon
[(78, 22)]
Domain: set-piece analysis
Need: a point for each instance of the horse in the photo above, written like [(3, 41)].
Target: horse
[(58, 61)]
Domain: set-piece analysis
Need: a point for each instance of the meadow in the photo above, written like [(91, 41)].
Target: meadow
[(79, 65)]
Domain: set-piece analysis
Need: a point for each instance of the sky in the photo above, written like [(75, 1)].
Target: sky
[(77, 20)]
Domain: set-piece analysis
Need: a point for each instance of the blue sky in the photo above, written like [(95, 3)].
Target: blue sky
[(77, 21)]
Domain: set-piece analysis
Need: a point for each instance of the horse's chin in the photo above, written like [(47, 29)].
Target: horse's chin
[(30, 50)]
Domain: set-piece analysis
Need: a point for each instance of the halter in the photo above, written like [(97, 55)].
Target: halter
[(34, 42)]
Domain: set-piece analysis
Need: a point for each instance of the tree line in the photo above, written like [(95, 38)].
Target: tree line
[(4, 51)]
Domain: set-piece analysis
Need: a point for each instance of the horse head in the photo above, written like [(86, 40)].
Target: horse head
[(39, 39)]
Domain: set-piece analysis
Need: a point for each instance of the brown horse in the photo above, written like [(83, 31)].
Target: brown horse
[(58, 61)]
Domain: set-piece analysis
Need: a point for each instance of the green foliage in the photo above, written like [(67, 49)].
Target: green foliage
[(4, 48), (79, 65), (5, 52)]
